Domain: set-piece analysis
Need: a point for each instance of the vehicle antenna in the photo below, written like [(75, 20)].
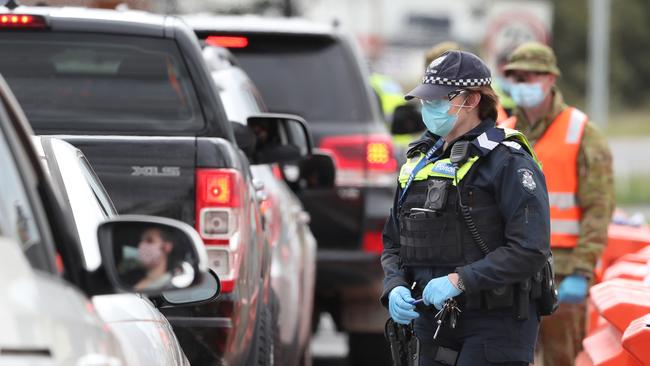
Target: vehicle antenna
[(12, 4)]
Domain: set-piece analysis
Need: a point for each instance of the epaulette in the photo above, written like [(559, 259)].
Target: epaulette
[(421, 145)]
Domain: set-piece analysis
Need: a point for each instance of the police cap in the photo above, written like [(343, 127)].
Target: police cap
[(454, 70)]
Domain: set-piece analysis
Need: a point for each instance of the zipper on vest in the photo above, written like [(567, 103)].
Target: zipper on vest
[(470, 198), (526, 213)]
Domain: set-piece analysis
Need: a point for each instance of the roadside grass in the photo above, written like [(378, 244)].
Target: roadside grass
[(633, 190), (630, 123)]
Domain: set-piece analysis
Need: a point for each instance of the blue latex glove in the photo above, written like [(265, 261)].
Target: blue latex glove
[(398, 305), (438, 290), (573, 289)]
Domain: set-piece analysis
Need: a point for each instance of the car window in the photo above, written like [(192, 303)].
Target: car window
[(310, 76), (96, 186), (237, 97), (87, 210), (17, 219), (94, 82)]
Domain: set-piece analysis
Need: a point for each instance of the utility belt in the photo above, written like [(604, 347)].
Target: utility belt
[(540, 289)]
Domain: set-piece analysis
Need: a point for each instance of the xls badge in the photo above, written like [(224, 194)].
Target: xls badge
[(154, 171), (527, 179)]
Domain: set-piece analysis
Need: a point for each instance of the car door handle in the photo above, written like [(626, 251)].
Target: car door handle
[(261, 195), (257, 184), (304, 217)]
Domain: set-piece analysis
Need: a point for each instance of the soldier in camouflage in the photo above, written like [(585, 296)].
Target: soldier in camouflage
[(532, 72)]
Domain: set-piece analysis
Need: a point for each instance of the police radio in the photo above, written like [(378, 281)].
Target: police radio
[(459, 153)]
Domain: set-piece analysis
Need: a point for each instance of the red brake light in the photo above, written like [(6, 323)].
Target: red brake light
[(373, 242), (227, 41), (362, 160), (16, 21), (216, 187), (277, 172), (374, 152), (218, 199)]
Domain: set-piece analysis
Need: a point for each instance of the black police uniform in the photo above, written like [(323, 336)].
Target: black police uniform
[(512, 216)]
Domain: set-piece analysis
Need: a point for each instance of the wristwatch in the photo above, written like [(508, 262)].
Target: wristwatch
[(460, 284)]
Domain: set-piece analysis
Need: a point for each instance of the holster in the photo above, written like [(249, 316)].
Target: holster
[(544, 285), (522, 299), (404, 345)]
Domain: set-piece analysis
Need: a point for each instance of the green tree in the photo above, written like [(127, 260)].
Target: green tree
[(629, 51)]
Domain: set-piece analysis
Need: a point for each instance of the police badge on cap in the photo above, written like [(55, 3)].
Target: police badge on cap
[(452, 71)]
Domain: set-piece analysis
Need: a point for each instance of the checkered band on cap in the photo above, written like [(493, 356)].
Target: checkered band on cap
[(455, 82)]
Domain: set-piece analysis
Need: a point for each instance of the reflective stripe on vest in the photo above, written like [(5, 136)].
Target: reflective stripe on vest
[(558, 150), (443, 167), (565, 227)]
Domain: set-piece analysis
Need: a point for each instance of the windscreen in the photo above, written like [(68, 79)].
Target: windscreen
[(91, 82), (315, 77)]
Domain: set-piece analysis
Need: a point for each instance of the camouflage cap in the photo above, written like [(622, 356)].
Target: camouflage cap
[(532, 56), (437, 51)]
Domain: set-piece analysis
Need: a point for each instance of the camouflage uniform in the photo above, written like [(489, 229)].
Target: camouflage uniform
[(562, 333)]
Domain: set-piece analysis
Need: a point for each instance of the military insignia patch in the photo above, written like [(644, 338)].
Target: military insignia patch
[(527, 179)]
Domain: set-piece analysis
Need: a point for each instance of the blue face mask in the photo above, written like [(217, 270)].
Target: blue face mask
[(503, 83), (435, 117), (527, 95)]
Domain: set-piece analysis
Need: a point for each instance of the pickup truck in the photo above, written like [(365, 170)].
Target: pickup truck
[(131, 90), (54, 262)]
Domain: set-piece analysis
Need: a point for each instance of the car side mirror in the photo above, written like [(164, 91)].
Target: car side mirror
[(280, 138), (318, 171), (245, 138), (206, 291), (149, 255), (406, 120)]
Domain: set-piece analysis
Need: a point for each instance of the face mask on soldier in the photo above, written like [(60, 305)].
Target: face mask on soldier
[(527, 95)]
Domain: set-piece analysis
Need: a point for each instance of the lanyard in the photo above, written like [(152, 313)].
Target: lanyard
[(421, 164)]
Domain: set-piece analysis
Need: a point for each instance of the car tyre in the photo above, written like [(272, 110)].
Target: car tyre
[(263, 348), (368, 349), (306, 358)]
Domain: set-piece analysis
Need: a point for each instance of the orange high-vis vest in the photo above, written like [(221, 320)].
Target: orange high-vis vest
[(502, 115), (558, 150)]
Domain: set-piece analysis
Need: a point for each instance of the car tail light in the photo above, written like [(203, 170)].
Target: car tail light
[(17, 21), (277, 172), (373, 242), (227, 41), (362, 160), (218, 209)]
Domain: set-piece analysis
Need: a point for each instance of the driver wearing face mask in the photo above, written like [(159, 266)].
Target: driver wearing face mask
[(154, 250), (578, 167)]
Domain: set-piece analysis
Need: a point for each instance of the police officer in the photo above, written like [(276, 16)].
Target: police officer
[(470, 222)]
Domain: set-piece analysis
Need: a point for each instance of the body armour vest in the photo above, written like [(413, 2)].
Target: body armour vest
[(433, 232)]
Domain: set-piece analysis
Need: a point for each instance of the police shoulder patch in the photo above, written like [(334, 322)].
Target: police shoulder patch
[(526, 177)]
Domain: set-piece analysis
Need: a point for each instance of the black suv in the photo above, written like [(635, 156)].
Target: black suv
[(134, 90), (315, 71)]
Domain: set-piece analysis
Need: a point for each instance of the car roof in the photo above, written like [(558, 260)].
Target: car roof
[(97, 20), (258, 24)]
